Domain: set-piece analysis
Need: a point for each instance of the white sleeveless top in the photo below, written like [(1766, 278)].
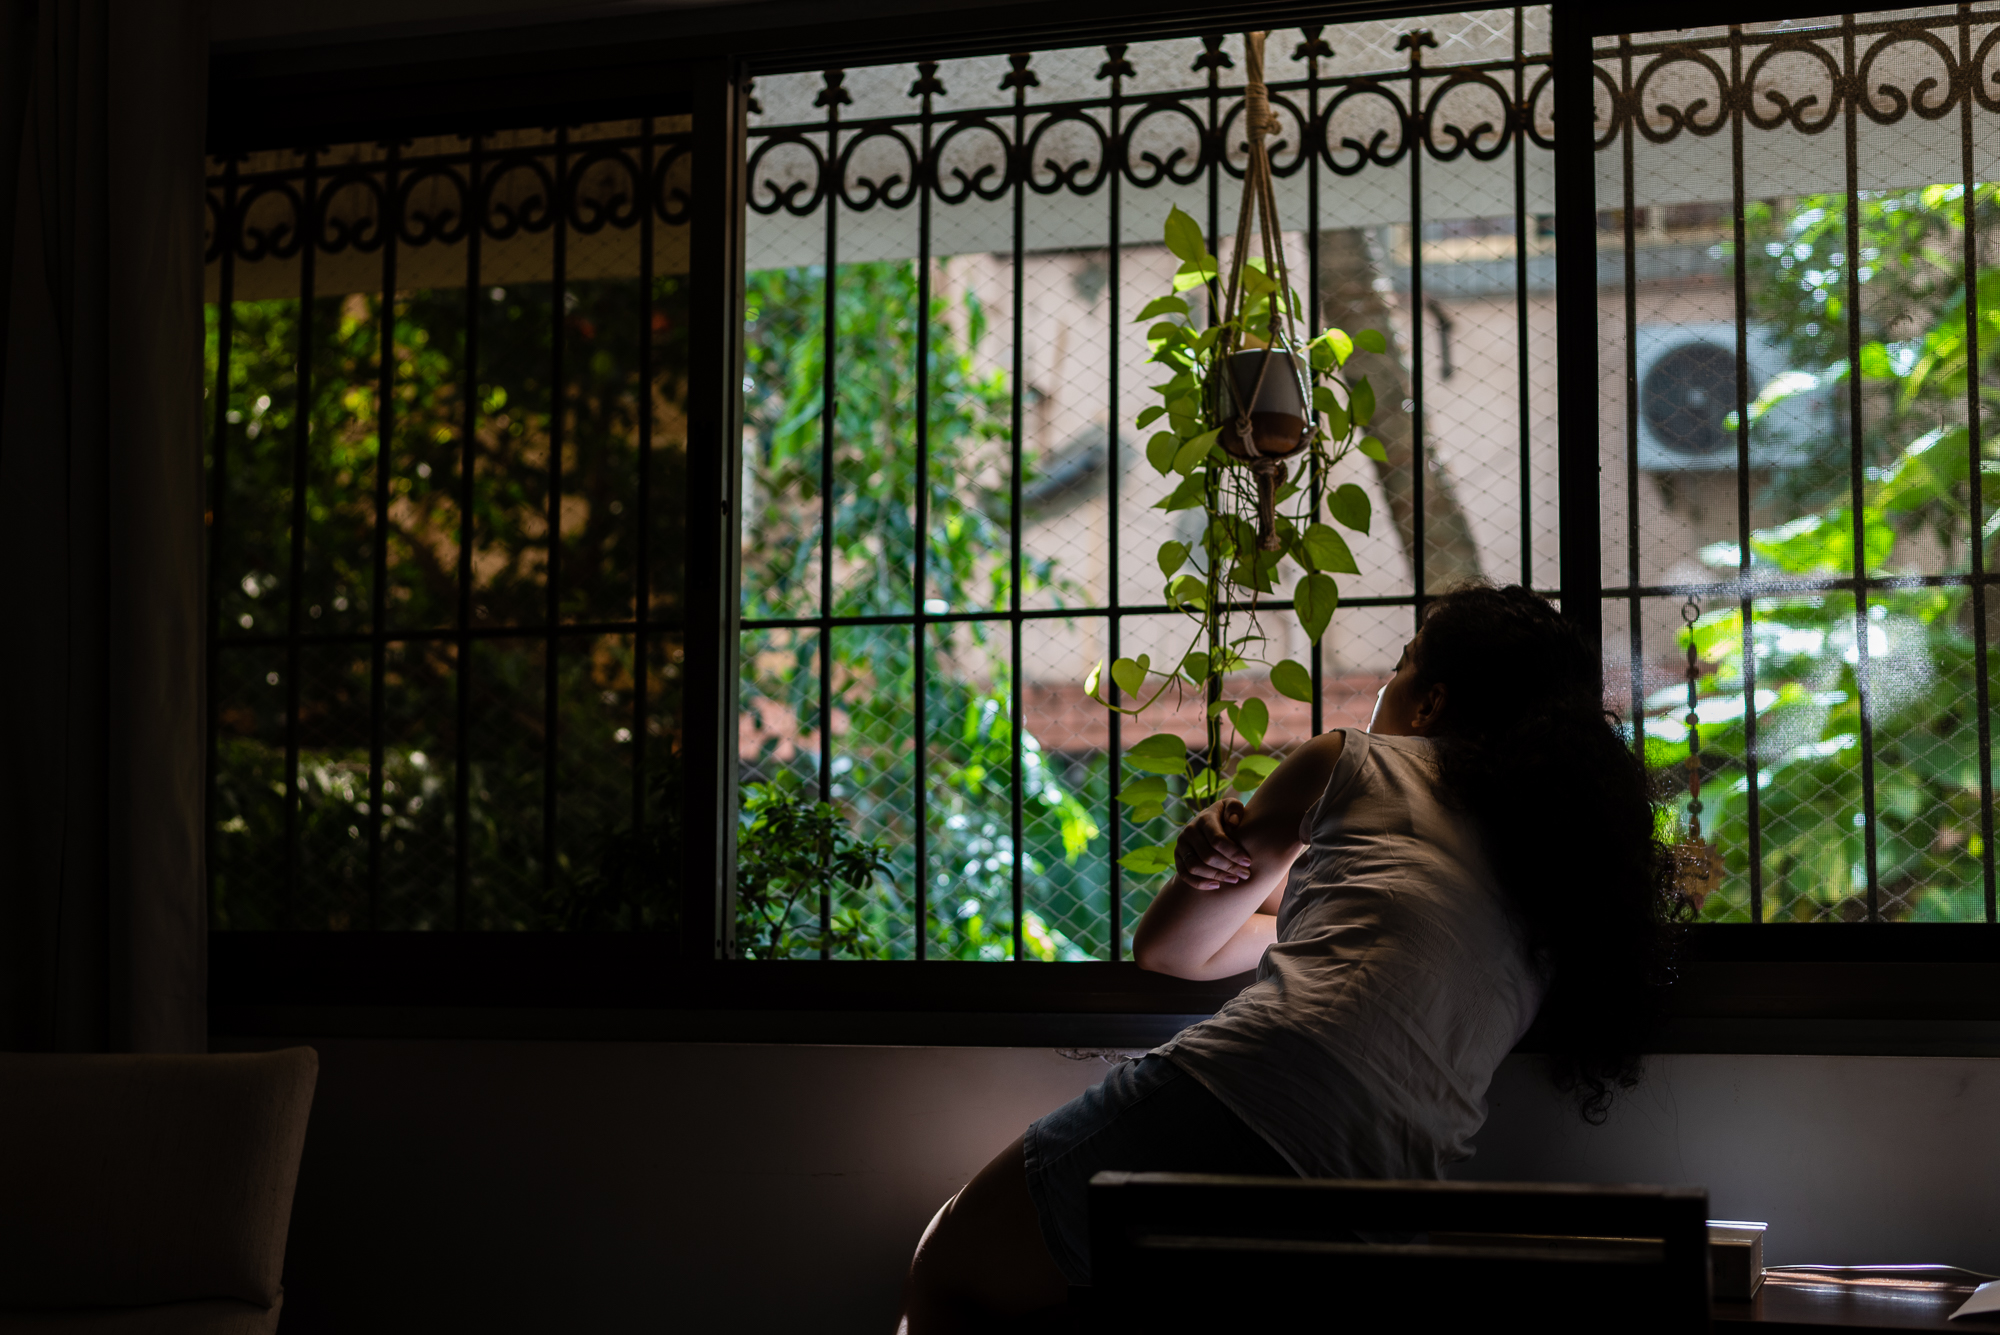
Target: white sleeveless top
[(1397, 984)]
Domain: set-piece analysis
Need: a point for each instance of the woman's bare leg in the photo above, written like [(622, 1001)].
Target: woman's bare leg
[(982, 1254)]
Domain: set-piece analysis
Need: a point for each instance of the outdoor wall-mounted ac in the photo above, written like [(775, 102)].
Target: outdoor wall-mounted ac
[(1687, 395)]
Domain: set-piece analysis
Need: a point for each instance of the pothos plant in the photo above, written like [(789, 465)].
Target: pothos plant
[(1226, 581)]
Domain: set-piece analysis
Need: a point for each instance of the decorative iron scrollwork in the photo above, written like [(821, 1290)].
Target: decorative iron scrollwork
[(1162, 138), (1803, 79), (258, 209)]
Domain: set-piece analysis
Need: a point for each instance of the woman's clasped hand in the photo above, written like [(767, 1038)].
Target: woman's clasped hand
[(1207, 854)]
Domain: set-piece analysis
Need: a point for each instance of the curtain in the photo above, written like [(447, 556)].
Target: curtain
[(102, 886)]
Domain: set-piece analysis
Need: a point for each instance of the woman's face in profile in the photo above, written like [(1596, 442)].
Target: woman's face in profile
[(1401, 710)]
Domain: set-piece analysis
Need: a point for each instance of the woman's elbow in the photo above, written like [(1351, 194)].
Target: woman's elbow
[(1154, 955), (1158, 956)]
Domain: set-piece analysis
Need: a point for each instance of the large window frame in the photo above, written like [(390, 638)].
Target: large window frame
[(1763, 987)]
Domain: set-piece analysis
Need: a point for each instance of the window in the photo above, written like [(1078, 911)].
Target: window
[(934, 559), (1797, 313), (448, 378), (462, 531)]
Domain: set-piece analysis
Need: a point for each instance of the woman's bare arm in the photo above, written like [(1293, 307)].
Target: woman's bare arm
[(1218, 913)]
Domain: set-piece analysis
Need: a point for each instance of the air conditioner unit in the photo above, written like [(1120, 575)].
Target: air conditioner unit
[(1687, 397)]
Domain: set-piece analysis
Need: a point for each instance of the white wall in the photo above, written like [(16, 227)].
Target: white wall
[(601, 1187)]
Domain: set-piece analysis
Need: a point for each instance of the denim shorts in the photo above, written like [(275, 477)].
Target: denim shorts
[(1147, 1116)]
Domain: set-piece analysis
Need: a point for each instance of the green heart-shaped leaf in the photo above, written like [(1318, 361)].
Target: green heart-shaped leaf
[(1152, 788), (1188, 591), (1129, 674), (1173, 555), (1155, 860), (1361, 402), (1315, 598), (1374, 449), (1251, 771), (1189, 456), (1162, 753), (1252, 719), (1349, 505), (1291, 680), (1160, 450), (1326, 550), (1189, 495), (1183, 236), (1371, 340), (1159, 306)]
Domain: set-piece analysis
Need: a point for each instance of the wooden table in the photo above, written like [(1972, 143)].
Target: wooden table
[(1835, 1304)]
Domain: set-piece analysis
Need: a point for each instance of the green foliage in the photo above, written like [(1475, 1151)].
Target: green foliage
[(793, 855), (1915, 515), (1221, 579), (964, 547), (601, 403), (635, 884)]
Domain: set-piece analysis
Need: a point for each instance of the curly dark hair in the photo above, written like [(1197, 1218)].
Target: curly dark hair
[(1568, 817)]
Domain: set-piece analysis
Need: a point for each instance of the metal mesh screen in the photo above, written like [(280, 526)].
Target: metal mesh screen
[(949, 517), (448, 383), (1794, 309)]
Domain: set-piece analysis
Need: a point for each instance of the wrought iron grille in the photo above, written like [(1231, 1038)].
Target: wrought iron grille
[(1795, 249), (447, 379), (945, 524), (448, 382)]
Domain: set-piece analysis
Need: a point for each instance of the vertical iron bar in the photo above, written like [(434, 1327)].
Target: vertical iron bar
[(1635, 631), (1746, 605), (1856, 461), (552, 587), (829, 407), (1521, 287), (1218, 155), (920, 556), (1413, 137), (711, 635), (642, 582), (475, 225), (1114, 474), (218, 495), (385, 413), (1317, 480), (1020, 158), (1580, 549), (301, 443), (1975, 443)]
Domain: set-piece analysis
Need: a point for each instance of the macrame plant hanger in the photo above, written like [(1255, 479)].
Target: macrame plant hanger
[(1698, 864), (1258, 396)]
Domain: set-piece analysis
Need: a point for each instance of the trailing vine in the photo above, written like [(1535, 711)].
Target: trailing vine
[(1228, 579)]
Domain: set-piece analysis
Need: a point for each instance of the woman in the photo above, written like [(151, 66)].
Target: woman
[(1411, 896)]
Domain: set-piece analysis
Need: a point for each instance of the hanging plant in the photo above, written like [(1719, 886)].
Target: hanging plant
[(1253, 421)]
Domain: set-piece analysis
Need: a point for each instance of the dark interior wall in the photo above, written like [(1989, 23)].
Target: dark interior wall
[(1851, 1160), (243, 22), (614, 1187), (566, 1188)]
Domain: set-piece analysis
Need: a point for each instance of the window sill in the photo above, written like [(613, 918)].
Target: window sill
[(1850, 989)]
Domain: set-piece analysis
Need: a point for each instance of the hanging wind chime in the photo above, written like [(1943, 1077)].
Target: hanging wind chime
[(1258, 393)]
